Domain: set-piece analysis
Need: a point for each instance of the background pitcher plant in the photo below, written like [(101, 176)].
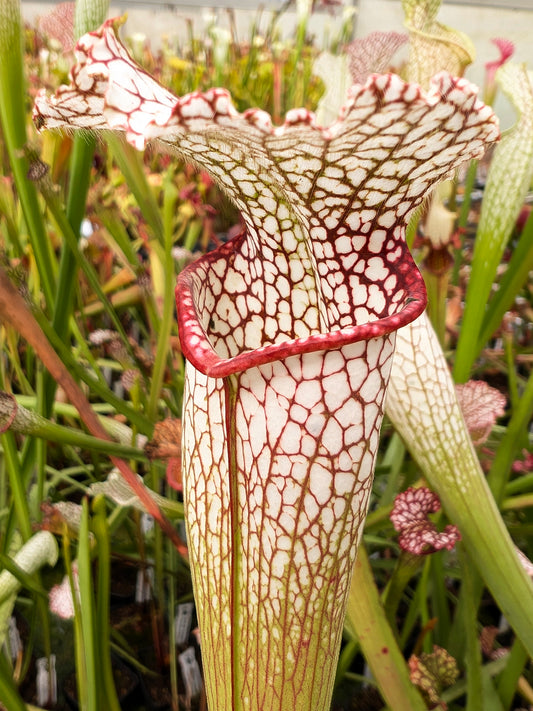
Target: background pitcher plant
[(288, 330)]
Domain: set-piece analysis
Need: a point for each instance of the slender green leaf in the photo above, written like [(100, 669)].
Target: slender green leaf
[(8, 689), (469, 626), (89, 15), (87, 268), (508, 679), (87, 610), (131, 166), (507, 450), (365, 615), (96, 385), (490, 701), (516, 274), (167, 316), (101, 531), (13, 122), (508, 181)]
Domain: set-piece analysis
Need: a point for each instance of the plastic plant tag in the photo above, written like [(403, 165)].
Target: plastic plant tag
[(182, 622), (190, 671), (147, 523), (46, 681), (182, 529), (144, 585), (14, 641)]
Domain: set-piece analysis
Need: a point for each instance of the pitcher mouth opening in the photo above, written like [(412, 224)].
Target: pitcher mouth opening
[(198, 347)]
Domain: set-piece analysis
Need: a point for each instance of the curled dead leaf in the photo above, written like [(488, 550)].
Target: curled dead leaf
[(166, 444)]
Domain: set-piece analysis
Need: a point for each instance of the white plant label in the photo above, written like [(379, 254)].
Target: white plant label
[(15, 644), (46, 681), (144, 585), (182, 622), (190, 671), (147, 523)]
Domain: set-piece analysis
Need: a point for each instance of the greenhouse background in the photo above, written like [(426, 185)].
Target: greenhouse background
[(481, 20)]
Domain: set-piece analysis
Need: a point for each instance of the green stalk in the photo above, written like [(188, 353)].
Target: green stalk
[(470, 181), (3, 488), (439, 597), (422, 607), (295, 88), (80, 165), (517, 502), (491, 700), (167, 318), (113, 223), (508, 181), (459, 689), (158, 552), (423, 407), (90, 702), (122, 432), (24, 421), (509, 677), (16, 482), (8, 689), (469, 626), (9, 212), (96, 386), (522, 484), (347, 655), (393, 460), (512, 377), (131, 166), (516, 274), (406, 567), (194, 230), (79, 650), (411, 619), (437, 291), (53, 205), (172, 554), (377, 518), (101, 531), (507, 449), (39, 446), (366, 616), (13, 121), (89, 15)]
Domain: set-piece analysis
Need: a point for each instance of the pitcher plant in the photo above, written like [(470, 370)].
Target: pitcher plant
[(289, 331)]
